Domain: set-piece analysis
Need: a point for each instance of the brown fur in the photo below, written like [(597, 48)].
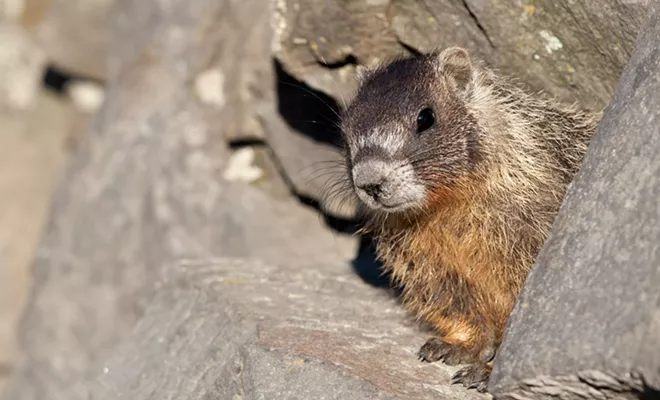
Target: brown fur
[(462, 258)]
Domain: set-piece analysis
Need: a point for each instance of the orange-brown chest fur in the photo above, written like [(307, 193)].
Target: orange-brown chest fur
[(461, 264)]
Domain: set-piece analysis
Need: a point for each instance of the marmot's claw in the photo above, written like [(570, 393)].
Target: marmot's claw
[(473, 377), (435, 349)]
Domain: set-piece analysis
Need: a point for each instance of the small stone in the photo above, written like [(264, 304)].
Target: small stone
[(210, 88), (240, 167), (87, 96), (552, 42)]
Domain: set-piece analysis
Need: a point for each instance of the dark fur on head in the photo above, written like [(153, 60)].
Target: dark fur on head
[(381, 121)]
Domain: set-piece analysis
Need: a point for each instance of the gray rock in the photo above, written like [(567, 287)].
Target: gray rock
[(32, 154), (575, 50), (74, 33), (586, 324), (233, 329)]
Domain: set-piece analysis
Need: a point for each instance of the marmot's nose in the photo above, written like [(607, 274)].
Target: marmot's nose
[(373, 190), (370, 177)]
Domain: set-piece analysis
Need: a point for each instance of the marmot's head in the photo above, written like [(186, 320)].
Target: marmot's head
[(408, 132)]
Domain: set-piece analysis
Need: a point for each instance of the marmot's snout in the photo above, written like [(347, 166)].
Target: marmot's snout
[(386, 185), (372, 180)]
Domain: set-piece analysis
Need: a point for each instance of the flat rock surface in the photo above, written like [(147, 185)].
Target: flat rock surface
[(240, 328)]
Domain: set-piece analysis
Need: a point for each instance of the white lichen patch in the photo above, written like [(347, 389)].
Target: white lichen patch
[(87, 96), (210, 88), (552, 42), (240, 166)]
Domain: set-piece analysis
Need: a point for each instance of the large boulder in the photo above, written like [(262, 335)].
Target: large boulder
[(144, 189), (242, 328), (575, 50), (586, 325)]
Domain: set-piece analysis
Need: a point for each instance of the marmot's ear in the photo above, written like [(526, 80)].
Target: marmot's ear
[(454, 63)]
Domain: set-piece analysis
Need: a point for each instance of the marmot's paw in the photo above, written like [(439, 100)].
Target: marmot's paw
[(473, 377), (435, 349)]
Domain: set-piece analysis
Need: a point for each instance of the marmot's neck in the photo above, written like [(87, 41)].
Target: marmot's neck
[(531, 143)]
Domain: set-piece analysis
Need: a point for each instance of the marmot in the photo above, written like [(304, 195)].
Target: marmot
[(460, 174)]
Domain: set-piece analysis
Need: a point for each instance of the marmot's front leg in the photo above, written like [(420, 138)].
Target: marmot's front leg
[(462, 344)]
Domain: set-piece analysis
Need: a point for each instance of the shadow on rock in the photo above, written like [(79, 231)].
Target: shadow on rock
[(307, 110), (316, 115), (367, 266)]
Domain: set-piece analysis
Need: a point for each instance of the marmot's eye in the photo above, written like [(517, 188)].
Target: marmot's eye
[(425, 120)]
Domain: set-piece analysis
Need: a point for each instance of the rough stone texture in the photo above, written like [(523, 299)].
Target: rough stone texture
[(587, 324), (575, 50), (228, 329)]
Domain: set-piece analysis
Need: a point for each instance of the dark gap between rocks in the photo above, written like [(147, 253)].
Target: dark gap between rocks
[(57, 79), (649, 393), (349, 60), (413, 51), (306, 110), (241, 143), (367, 266), (315, 114)]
